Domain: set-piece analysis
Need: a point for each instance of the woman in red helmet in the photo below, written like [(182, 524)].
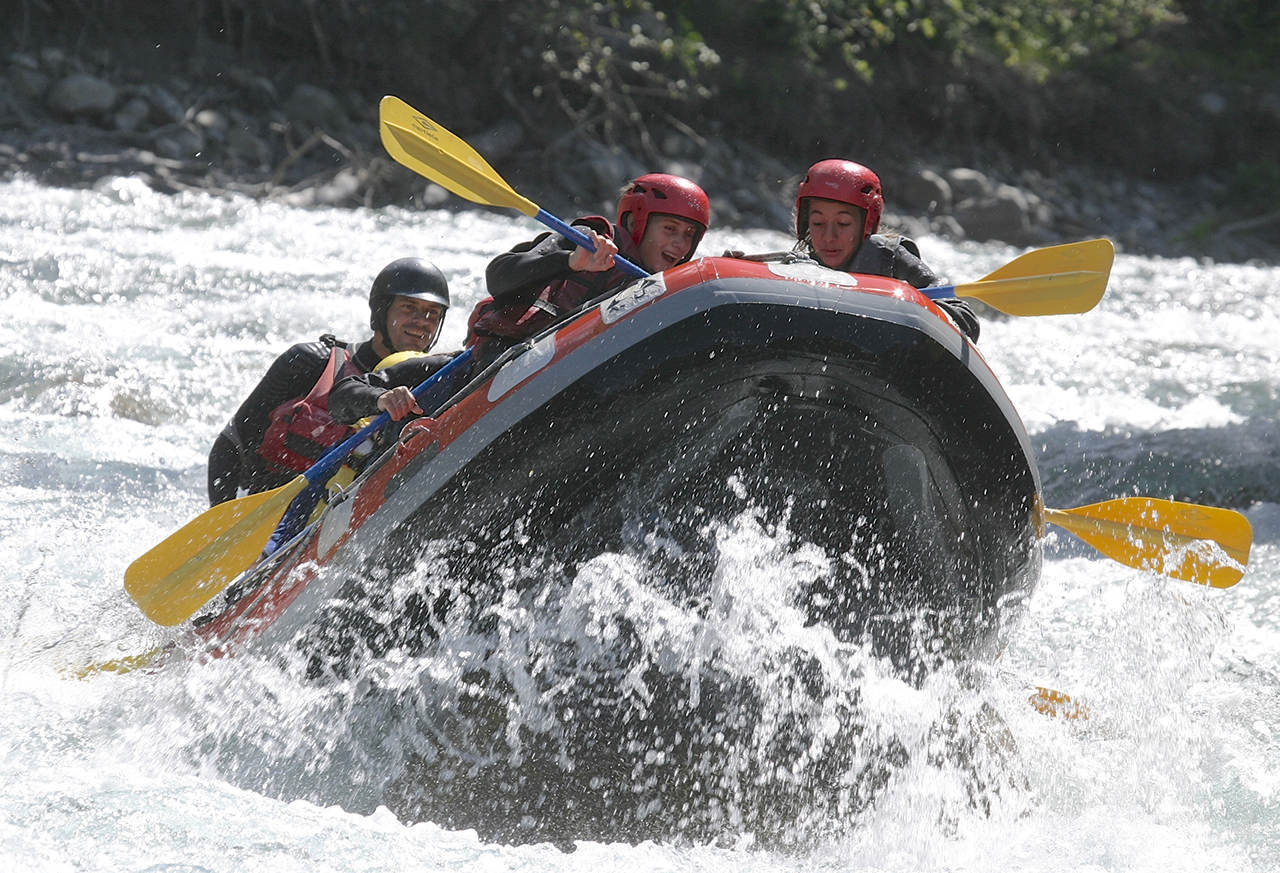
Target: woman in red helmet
[(661, 220), (838, 210)]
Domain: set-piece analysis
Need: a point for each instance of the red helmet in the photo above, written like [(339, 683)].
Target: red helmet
[(843, 182), (664, 194)]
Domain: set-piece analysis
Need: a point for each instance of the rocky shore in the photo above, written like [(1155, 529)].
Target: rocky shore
[(74, 120)]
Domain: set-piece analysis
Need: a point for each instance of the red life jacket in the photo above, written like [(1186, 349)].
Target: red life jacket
[(555, 301), (301, 429)]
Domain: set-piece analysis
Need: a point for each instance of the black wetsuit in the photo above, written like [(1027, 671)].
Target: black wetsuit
[(234, 462), (899, 258)]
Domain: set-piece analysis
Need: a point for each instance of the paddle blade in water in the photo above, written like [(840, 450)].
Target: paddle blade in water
[(147, 660), (1055, 704), (1194, 543), (186, 570)]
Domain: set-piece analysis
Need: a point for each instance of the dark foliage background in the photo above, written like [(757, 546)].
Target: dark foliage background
[(1161, 89)]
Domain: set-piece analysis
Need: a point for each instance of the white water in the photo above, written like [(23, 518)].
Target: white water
[(132, 326)]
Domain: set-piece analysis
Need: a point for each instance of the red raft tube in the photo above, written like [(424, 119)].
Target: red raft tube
[(847, 407)]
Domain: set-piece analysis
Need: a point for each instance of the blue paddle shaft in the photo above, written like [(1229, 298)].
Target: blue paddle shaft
[(939, 292), (572, 234)]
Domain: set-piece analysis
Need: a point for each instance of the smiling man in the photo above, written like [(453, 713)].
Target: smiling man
[(661, 220), (284, 426)]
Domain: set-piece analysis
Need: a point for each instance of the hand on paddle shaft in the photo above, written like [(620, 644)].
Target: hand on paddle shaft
[(181, 574), (598, 258), (398, 402)]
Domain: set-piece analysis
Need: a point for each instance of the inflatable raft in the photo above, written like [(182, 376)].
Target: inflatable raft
[(847, 409)]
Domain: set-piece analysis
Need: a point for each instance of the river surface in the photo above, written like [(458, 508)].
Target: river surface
[(131, 326)]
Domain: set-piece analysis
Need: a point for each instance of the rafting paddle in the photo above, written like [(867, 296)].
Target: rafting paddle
[(186, 570), (417, 142), (1202, 544), (1058, 280)]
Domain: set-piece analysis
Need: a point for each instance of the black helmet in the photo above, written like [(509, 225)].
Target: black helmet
[(407, 277)]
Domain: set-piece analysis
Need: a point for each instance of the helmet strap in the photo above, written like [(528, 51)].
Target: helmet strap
[(435, 336), (381, 345)]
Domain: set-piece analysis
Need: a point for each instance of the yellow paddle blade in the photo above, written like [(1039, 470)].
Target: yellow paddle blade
[(1055, 704), (395, 111), (1091, 256), (1194, 543), (1052, 294), (126, 664), (417, 142), (1058, 280), (185, 571)]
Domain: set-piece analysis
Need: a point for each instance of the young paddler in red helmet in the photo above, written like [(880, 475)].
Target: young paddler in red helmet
[(838, 209), (661, 220)]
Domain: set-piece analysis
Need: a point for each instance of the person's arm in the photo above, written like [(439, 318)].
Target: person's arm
[(356, 397), (518, 275), (910, 268), (527, 268), (224, 470), (291, 375)]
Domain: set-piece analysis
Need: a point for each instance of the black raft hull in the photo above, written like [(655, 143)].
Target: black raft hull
[(861, 434)]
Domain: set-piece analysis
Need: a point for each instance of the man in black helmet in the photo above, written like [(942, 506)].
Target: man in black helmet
[(284, 427)]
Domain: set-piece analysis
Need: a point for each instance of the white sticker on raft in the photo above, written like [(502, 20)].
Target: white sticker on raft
[(335, 524), (632, 297), (813, 273), (522, 368)]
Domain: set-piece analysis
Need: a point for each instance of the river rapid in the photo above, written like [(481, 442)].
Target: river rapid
[(134, 323)]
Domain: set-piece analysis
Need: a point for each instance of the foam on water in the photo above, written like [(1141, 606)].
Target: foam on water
[(133, 325)]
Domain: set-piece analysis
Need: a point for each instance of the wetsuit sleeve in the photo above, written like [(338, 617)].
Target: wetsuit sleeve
[(293, 374), (910, 268), (518, 275), (356, 397), (224, 470), (964, 317)]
